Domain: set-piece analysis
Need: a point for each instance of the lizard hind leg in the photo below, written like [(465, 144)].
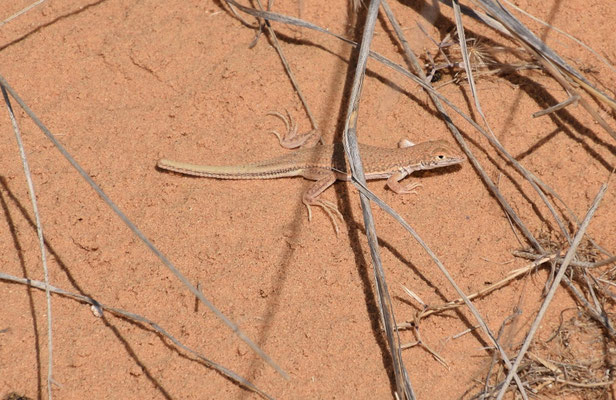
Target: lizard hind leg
[(310, 198), (291, 139)]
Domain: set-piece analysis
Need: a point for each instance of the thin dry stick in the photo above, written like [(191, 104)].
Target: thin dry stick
[(493, 360), (136, 317), (287, 68), (363, 189), (555, 284), (242, 20), (570, 100), (39, 232), (592, 292), (478, 15), (578, 384), (559, 260), (492, 137), (594, 314), (598, 308), (413, 60), (22, 11), (420, 342), (140, 234), (513, 275), (576, 40), (549, 59), (403, 384), (467, 62)]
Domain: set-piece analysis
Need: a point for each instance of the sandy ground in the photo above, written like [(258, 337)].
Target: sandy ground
[(123, 83)]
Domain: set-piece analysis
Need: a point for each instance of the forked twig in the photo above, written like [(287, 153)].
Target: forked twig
[(513, 275)]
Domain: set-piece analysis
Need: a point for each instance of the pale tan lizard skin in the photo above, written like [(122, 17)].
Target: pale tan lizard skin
[(326, 163)]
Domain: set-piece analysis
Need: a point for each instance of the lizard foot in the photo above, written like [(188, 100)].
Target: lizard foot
[(330, 209), (410, 188), (394, 184), (291, 139)]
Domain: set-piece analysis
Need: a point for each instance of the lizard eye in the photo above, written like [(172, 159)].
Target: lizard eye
[(440, 157)]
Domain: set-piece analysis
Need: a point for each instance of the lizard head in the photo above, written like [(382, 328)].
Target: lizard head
[(439, 153)]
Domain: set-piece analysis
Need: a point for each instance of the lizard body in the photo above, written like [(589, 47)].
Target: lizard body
[(379, 163), (327, 163)]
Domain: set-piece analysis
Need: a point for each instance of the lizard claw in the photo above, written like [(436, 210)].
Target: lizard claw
[(291, 139), (278, 136), (330, 209)]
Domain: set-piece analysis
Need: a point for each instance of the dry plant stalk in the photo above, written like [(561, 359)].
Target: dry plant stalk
[(483, 57), (574, 360), (562, 364)]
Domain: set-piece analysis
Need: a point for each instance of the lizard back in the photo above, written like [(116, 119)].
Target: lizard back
[(379, 162)]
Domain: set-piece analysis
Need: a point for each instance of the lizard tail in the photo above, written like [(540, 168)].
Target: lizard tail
[(248, 171)]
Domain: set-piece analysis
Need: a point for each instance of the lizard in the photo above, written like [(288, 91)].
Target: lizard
[(327, 163)]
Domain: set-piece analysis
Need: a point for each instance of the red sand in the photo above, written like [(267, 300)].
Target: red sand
[(123, 83)]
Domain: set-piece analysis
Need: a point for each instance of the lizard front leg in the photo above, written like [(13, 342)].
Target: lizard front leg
[(324, 179), (394, 184), (394, 181)]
